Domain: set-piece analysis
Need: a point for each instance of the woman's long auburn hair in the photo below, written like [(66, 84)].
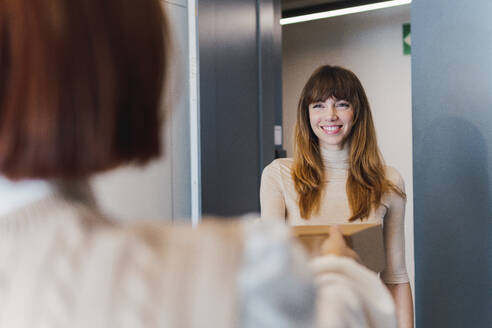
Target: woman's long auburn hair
[(366, 182)]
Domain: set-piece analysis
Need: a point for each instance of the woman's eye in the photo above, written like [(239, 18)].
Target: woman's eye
[(343, 105), (317, 106)]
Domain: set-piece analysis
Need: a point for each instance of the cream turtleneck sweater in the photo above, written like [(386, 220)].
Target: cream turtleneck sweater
[(279, 199)]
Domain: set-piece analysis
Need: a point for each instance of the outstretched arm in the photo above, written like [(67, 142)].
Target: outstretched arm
[(349, 294)]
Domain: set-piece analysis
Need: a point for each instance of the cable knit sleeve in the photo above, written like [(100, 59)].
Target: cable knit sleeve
[(275, 286), (271, 196), (350, 295), (394, 233)]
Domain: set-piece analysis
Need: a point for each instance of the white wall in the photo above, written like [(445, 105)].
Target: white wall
[(161, 190), (369, 44)]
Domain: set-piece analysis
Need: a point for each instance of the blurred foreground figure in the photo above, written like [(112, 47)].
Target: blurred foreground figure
[(80, 85)]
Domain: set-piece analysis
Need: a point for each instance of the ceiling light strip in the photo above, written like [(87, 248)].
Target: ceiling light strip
[(345, 11)]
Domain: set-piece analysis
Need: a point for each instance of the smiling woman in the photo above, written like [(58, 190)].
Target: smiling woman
[(337, 175)]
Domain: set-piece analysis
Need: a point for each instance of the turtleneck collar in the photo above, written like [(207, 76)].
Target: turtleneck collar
[(17, 194), (336, 164), (335, 159)]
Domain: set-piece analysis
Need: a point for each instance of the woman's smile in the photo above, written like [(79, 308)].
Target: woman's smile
[(332, 129)]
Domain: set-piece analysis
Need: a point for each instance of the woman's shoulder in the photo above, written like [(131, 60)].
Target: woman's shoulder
[(277, 173), (282, 162), (279, 166), (394, 176)]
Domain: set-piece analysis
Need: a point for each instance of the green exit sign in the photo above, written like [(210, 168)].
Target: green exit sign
[(407, 40)]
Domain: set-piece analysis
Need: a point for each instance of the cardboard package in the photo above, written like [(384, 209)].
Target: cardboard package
[(365, 239)]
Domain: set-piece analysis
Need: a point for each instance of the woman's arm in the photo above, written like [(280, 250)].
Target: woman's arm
[(395, 274), (272, 200), (402, 295)]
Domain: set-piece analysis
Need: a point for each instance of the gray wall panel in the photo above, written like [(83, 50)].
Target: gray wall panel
[(237, 76), (270, 76), (208, 101), (452, 132)]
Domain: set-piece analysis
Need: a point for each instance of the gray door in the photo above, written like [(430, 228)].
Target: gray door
[(452, 135), (240, 79)]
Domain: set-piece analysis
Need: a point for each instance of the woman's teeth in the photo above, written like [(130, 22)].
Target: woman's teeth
[(331, 128)]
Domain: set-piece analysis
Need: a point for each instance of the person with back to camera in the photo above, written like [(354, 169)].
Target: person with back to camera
[(80, 87), (337, 175)]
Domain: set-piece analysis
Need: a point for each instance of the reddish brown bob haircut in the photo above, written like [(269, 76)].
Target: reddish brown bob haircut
[(80, 85)]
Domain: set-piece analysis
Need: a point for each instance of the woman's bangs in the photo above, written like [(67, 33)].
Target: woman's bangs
[(332, 84)]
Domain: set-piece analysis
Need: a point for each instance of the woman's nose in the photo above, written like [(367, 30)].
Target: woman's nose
[(332, 113)]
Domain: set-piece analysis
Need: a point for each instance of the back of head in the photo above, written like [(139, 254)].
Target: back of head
[(80, 85)]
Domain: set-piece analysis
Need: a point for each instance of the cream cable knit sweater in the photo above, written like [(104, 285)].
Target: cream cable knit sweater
[(62, 264)]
